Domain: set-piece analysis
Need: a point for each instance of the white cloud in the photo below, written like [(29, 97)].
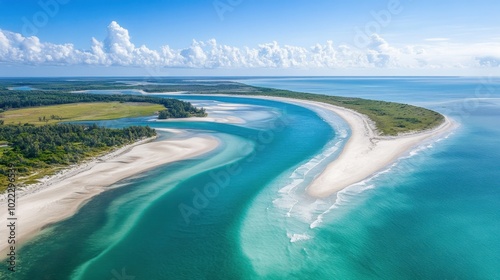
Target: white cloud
[(437, 39), (117, 49)]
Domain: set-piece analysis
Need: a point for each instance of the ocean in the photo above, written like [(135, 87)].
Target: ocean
[(240, 212)]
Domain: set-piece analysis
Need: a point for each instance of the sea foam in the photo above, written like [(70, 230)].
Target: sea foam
[(351, 192), (294, 237)]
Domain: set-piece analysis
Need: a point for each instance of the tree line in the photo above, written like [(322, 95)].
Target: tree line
[(18, 99), (33, 147)]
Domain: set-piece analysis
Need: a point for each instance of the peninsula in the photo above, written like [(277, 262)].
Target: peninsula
[(366, 151)]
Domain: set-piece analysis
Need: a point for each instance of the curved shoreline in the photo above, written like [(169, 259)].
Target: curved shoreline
[(60, 196), (365, 152)]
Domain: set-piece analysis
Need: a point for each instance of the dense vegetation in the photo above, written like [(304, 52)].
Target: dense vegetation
[(42, 148), (22, 99)]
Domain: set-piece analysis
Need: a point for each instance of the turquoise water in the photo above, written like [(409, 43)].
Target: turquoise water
[(97, 91), (21, 88), (432, 215)]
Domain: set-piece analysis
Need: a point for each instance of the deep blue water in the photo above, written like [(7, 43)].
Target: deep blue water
[(432, 215)]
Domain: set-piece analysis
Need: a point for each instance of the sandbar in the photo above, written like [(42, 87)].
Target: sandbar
[(366, 152)]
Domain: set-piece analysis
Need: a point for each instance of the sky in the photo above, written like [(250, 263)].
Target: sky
[(249, 37)]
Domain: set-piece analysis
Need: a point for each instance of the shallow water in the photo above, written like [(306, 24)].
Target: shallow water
[(240, 212)]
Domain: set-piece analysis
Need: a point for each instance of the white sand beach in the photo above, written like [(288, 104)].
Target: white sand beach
[(365, 153), (63, 194)]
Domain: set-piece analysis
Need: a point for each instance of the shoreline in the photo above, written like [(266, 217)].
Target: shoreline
[(60, 196), (365, 153), (72, 170)]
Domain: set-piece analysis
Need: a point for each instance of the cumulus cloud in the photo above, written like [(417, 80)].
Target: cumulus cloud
[(117, 49), (15, 48)]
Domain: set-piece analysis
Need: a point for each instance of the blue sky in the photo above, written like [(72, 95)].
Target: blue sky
[(248, 37)]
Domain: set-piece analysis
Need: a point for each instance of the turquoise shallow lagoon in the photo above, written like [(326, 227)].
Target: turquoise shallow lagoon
[(432, 215)]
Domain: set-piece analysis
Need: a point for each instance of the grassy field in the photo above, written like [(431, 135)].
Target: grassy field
[(79, 112)]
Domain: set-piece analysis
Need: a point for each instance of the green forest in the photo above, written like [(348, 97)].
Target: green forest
[(42, 149)]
